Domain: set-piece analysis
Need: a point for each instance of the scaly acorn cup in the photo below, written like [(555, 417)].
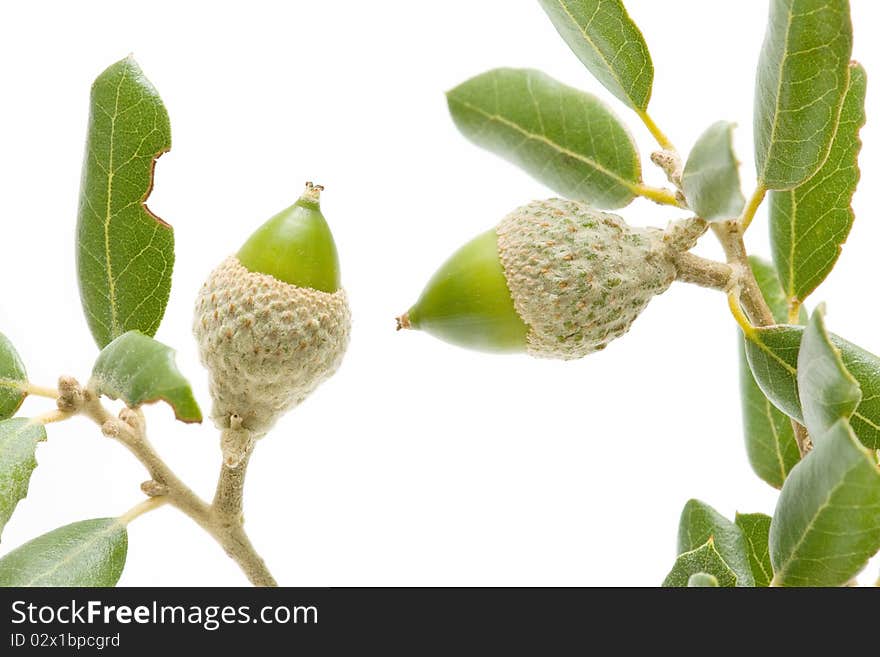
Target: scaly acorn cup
[(272, 323), (556, 279)]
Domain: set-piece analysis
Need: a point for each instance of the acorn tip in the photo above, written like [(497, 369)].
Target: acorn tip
[(312, 192), (403, 322)]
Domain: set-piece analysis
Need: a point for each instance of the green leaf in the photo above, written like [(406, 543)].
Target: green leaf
[(801, 81), (711, 175), (567, 139), (18, 446), (771, 288), (756, 530), (827, 520), (13, 379), (773, 355), (809, 224), (699, 523), (703, 560), (605, 39), (85, 553), (125, 253), (140, 370), (700, 580), (770, 443), (828, 392)]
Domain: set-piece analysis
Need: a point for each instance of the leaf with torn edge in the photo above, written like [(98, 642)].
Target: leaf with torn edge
[(567, 139), (608, 43), (140, 370), (124, 252), (19, 438)]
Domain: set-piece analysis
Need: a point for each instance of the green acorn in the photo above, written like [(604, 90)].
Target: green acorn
[(272, 322), (556, 279)]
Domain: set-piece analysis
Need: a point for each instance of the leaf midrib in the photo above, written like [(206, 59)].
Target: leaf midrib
[(108, 217), (717, 553), (767, 350), (760, 562), (601, 55), (768, 410), (12, 384), (780, 574), (75, 553), (630, 186), (794, 238)]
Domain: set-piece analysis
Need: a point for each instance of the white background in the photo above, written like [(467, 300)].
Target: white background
[(419, 463)]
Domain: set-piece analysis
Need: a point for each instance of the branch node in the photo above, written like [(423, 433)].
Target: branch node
[(802, 438), (131, 418), (153, 488), (70, 395), (670, 163), (691, 268), (236, 443), (165, 486), (112, 428), (682, 235)]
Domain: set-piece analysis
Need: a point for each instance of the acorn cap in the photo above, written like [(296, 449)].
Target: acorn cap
[(266, 344), (578, 276)]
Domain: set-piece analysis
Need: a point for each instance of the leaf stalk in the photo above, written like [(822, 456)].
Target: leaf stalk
[(751, 208), (659, 136)]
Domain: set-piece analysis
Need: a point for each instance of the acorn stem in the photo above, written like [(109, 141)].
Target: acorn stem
[(229, 496), (682, 235), (312, 193), (702, 271)]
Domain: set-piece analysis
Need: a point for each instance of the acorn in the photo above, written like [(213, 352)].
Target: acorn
[(555, 279), (272, 323)]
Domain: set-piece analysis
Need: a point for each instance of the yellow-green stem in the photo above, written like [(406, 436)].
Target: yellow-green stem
[(655, 130), (739, 315), (794, 311), (40, 391), (751, 208), (144, 507), (657, 194), (52, 416)]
